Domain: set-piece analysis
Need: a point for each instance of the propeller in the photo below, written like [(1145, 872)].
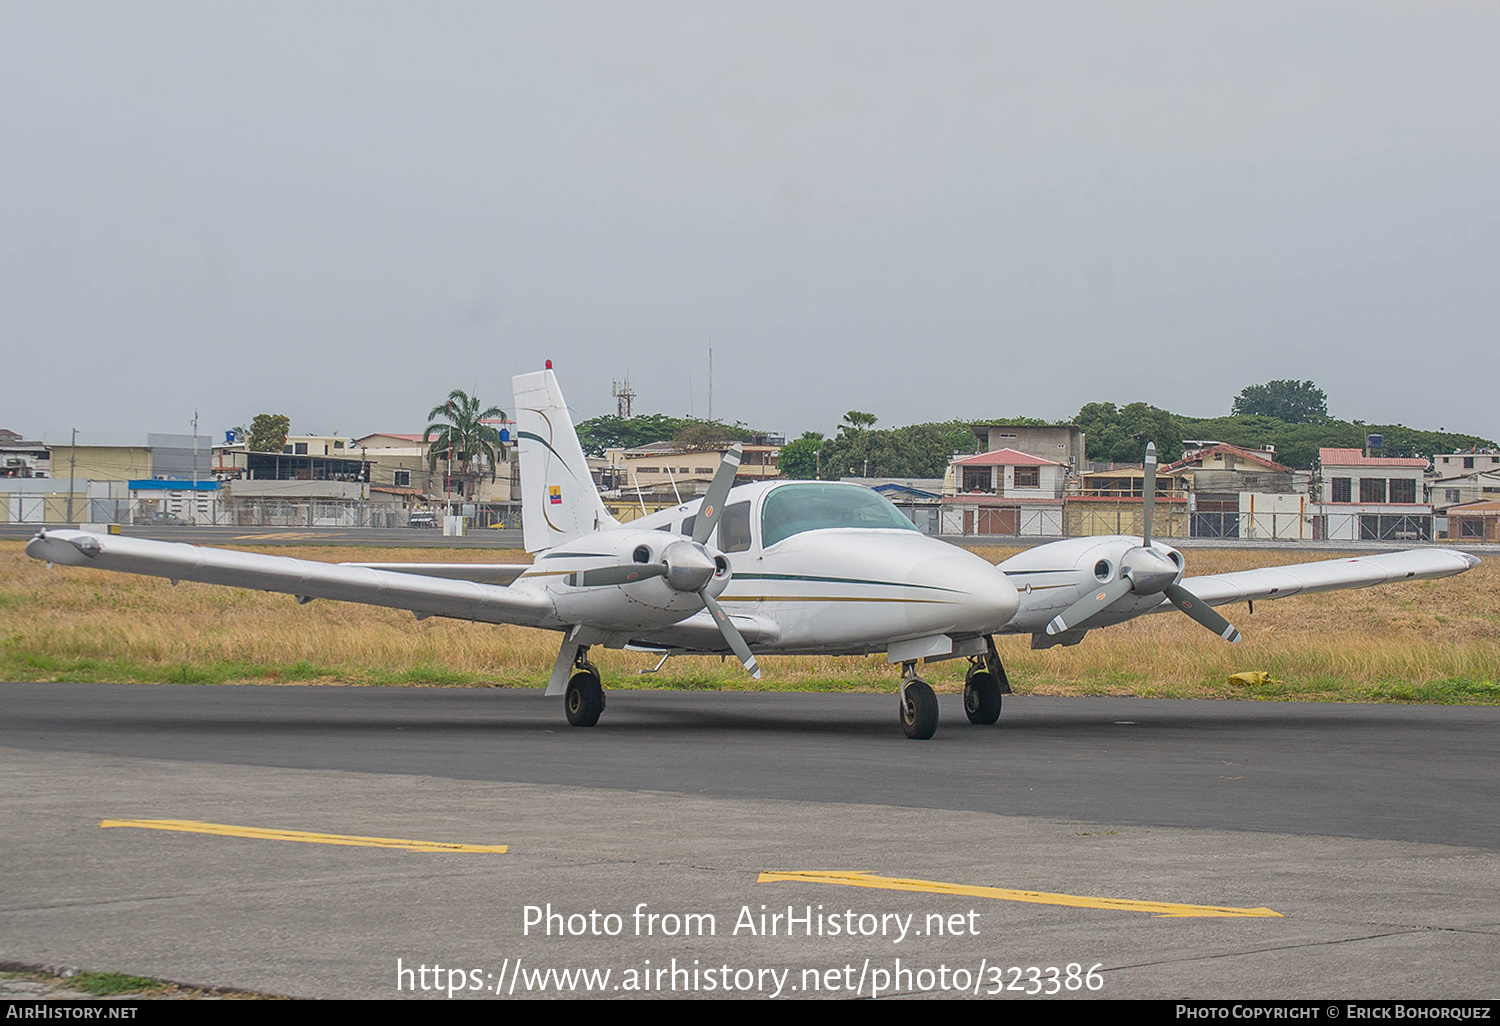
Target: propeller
[(686, 564), (1143, 571)]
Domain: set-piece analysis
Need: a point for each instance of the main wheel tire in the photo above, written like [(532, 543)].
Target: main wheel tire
[(982, 697), (919, 710), (584, 701)]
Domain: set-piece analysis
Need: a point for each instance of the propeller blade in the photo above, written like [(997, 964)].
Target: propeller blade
[(627, 573), (718, 491), (1202, 612), (1090, 606), (1148, 495), (731, 633)]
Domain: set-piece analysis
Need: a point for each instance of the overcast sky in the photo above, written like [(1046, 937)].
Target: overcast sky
[(342, 211)]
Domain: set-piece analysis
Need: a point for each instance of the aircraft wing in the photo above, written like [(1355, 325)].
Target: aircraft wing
[(480, 573), (306, 579), (1327, 575)]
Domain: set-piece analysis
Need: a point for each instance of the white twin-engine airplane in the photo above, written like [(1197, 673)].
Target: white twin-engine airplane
[(780, 567)]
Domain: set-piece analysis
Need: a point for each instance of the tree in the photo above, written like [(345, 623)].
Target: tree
[(464, 437), (918, 450), (801, 460), (856, 421), (1295, 402), (708, 436), (268, 432), (1120, 435), (614, 432)]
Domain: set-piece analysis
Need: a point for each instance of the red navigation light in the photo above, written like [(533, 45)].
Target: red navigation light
[(549, 364)]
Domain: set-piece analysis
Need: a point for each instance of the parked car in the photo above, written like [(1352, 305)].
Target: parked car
[(159, 518), (422, 518)]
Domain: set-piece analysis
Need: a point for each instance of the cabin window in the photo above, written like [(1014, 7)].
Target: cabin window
[(734, 528)]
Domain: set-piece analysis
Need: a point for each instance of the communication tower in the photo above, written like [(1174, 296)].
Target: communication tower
[(624, 397)]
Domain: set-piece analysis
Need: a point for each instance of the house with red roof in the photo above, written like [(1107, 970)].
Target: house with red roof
[(1005, 492), (1238, 492), (1371, 498), (1475, 522)]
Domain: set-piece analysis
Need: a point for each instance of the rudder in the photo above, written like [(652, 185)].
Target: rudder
[(559, 500)]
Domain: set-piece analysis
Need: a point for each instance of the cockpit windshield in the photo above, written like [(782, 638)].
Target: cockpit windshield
[(792, 509)]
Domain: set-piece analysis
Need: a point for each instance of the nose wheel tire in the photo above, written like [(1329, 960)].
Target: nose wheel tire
[(982, 697), (919, 710), (584, 701)]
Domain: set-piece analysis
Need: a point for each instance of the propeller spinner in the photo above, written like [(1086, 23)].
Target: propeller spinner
[(1143, 571)]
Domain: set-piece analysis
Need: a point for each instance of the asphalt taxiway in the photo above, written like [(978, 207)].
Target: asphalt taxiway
[(1178, 849)]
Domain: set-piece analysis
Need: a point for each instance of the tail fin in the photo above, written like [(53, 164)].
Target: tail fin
[(559, 500)]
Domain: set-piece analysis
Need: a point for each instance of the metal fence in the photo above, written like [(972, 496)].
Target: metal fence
[(25, 508), (43, 509), (1084, 522)]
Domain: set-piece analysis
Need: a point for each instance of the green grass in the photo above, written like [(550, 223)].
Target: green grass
[(106, 984), (1432, 642)]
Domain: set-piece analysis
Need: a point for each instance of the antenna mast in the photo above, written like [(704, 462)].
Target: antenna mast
[(624, 398)]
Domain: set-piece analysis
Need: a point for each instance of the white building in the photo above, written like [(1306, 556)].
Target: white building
[(1005, 492), (1365, 498)]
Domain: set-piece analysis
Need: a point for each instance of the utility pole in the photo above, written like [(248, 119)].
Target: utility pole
[(72, 465), (193, 495)]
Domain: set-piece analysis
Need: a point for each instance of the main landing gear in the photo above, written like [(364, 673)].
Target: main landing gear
[(984, 685), (584, 700)]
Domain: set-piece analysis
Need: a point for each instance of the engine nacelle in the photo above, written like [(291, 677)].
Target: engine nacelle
[(672, 570)]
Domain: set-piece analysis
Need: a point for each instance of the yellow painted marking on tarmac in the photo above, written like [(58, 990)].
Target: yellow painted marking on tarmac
[(192, 826), (1165, 909)]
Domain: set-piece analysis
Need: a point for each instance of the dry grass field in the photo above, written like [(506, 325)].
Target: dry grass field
[(1428, 641)]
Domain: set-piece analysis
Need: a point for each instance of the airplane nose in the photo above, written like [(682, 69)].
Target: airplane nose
[(959, 593)]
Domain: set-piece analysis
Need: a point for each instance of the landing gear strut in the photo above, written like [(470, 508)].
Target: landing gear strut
[(984, 685), (584, 700), (919, 708)]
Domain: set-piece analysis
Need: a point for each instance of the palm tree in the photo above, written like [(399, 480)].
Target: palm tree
[(462, 435), (856, 421)]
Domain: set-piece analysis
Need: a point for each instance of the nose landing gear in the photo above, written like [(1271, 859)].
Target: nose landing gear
[(919, 708)]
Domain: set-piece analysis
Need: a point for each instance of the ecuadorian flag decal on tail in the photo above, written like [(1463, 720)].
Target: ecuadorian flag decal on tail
[(554, 494)]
